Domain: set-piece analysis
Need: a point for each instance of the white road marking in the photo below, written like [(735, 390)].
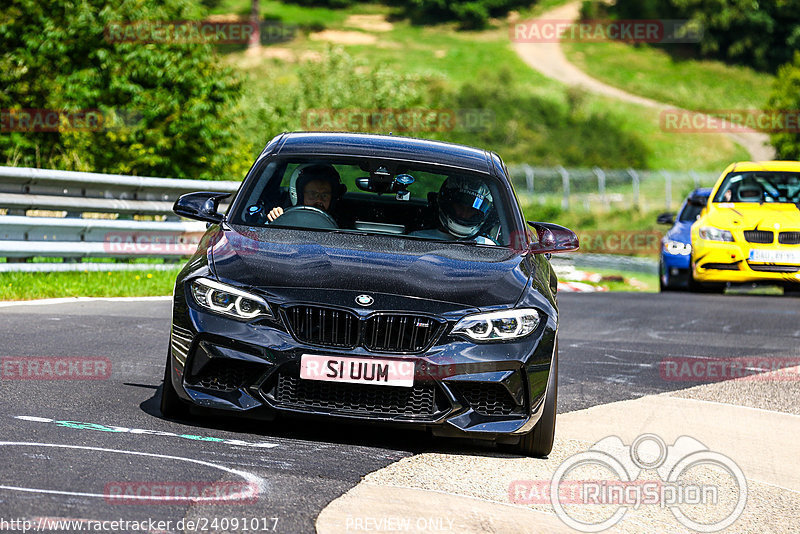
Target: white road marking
[(81, 425), (68, 300), (256, 484)]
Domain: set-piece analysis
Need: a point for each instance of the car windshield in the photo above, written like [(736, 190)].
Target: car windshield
[(760, 187), (691, 211), (377, 197)]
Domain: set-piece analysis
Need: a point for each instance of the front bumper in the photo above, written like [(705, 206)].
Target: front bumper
[(714, 261), (487, 391), (674, 269)]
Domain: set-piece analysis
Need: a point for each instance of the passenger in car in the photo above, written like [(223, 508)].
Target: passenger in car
[(464, 206)]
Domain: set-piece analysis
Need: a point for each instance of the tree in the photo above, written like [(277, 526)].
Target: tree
[(759, 33), (254, 44), (170, 107), (785, 100)]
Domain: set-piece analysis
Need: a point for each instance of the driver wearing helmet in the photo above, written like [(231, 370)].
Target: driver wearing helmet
[(464, 206), (315, 185)]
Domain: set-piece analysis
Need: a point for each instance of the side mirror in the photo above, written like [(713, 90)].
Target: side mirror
[(201, 206), (666, 218), (552, 238)]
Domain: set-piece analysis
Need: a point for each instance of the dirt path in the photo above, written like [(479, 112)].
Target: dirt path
[(549, 59)]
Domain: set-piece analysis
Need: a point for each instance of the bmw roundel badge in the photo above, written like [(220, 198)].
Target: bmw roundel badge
[(365, 300)]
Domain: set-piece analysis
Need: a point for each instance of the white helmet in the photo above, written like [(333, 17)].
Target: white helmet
[(464, 204)]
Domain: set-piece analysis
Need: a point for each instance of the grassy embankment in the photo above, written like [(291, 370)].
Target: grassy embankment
[(453, 59), (698, 85)]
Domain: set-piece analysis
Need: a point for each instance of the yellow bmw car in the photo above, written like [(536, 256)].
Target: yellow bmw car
[(750, 229)]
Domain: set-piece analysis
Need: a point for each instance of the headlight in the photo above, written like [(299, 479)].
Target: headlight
[(677, 248), (228, 300), (715, 234), (495, 326)]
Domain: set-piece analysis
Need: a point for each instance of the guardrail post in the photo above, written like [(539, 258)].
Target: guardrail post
[(565, 186), (635, 182), (667, 189), (601, 185), (695, 178), (529, 177)]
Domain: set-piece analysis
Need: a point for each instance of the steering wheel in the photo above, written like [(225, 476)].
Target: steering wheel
[(306, 217)]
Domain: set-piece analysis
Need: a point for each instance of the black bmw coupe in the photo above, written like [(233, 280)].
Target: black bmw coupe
[(374, 278)]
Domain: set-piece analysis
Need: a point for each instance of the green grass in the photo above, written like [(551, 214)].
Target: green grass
[(630, 282), (629, 220), (687, 83), (27, 286), (294, 14), (458, 57)]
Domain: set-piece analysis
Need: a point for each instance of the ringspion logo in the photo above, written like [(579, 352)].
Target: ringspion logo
[(594, 490)]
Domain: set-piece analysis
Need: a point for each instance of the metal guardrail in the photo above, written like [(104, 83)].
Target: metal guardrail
[(82, 232), (585, 188), (77, 235), (89, 184), (612, 262)]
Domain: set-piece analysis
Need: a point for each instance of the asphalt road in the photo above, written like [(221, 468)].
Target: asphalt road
[(68, 444)]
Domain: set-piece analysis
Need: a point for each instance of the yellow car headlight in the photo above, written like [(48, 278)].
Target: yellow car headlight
[(715, 234)]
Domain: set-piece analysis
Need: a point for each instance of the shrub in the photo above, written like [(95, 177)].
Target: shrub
[(182, 101), (528, 128), (472, 14), (762, 34), (524, 128), (786, 98)]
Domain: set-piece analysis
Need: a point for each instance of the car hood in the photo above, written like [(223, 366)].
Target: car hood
[(681, 232), (751, 216), (283, 261)]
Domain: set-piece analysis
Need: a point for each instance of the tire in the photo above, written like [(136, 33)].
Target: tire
[(698, 287), (792, 291), (539, 441), (662, 287), (172, 407)]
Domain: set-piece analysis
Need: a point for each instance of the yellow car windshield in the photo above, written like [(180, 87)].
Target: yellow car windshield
[(760, 187)]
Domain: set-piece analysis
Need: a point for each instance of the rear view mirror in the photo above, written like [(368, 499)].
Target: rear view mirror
[(666, 218), (551, 237), (201, 206), (381, 181), (373, 186)]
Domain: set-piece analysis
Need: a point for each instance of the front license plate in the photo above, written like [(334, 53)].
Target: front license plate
[(357, 370), (774, 256)]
